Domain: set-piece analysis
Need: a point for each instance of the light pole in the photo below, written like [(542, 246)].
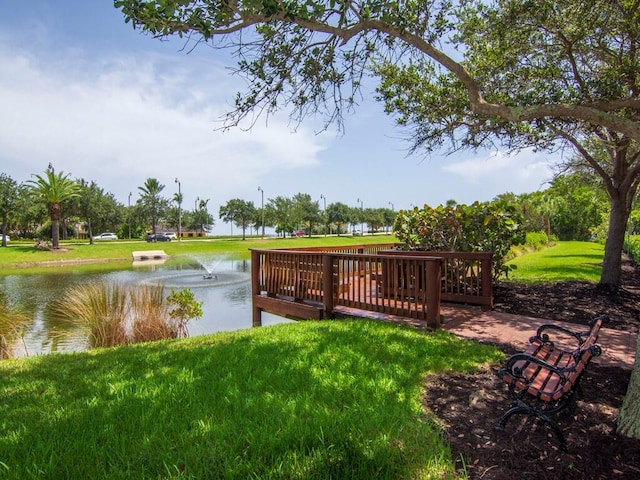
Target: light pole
[(129, 212), (324, 201), (262, 208), (392, 209), (195, 205), (179, 210), (362, 216)]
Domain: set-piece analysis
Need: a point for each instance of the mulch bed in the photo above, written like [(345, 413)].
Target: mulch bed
[(469, 405)]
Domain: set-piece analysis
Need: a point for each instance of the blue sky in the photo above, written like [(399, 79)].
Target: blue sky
[(81, 89)]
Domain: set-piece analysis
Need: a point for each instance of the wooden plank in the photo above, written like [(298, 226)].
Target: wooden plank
[(288, 308)]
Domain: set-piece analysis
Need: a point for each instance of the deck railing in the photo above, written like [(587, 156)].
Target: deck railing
[(466, 276), (316, 283)]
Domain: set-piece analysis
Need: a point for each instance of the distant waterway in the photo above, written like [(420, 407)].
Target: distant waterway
[(222, 283)]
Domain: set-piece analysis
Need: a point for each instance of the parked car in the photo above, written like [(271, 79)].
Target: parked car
[(6, 236), (171, 235), (356, 232), (158, 237), (299, 233), (106, 236)]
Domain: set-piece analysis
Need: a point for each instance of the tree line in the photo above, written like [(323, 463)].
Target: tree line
[(51, 205), (54, 206)]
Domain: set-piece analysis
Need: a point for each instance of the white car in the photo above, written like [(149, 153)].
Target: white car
[(106, 236), (6, 236), (170, 235)]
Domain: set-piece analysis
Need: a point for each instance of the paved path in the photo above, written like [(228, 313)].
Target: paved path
[(618, 347)]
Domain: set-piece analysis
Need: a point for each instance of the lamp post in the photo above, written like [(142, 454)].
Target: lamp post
[(362, 216), (392, 209), (324, 201), (129, 212), (262, 208), (179, 210)]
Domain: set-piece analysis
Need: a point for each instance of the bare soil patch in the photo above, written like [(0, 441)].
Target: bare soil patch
[(469, 405)]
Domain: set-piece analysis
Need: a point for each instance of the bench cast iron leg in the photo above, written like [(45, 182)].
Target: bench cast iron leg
[(521, 408)]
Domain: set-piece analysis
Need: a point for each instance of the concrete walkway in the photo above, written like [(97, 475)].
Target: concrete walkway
[(618, 347)]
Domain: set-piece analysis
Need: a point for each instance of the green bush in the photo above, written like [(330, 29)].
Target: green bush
[(480, 227), (536, 240), (632, 247)]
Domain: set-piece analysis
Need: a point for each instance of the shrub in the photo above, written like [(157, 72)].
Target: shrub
[(632, 247), (536, 240), (184, 307), (480, 227)]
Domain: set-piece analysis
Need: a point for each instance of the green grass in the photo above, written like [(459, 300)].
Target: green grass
[(21, 255), (565, 261), (310, 400)]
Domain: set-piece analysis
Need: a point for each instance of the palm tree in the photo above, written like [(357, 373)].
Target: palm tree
[(53, 189), (151, 200)]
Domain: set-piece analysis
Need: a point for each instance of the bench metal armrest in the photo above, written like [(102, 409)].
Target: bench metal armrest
[(542, 337), (511, 368)]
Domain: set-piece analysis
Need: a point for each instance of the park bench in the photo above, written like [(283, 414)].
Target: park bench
[(543, 379)]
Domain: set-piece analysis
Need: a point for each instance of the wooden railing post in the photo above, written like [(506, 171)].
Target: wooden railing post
[(255, 287), (487, 280), (327, 284), (433, 268)]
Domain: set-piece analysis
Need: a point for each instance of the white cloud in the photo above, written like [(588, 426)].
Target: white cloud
[(515, 173), (120, 120)]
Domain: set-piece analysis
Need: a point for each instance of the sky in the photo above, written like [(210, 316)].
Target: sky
[(84, 91)]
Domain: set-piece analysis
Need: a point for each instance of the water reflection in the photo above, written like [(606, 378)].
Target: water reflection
[(226, 299)]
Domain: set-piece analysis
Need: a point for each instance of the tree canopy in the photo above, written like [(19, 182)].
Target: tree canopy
[(466, 73)]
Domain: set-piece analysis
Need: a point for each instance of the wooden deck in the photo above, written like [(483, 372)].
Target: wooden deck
[(316, 284)]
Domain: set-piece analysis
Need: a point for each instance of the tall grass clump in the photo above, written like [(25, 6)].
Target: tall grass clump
[(12, 325), (100, 310), (110, 314), (149, 314)]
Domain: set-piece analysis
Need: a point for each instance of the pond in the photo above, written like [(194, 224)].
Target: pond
[(223, 284)]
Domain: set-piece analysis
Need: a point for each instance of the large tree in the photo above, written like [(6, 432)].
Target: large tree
[(99, 210), (8, 198), (279, 213), (307, 211), (240, 212), (53, 189), (339, 214), (542, 73)]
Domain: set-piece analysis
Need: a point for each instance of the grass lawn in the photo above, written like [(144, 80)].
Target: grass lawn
[(309, 400), (565, 261), (22, 254)]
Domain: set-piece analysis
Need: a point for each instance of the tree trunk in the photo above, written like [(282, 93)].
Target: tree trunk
[(4, 231), (629, 421), (612, 263), (55, 225)]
